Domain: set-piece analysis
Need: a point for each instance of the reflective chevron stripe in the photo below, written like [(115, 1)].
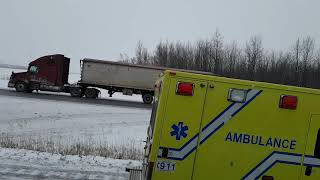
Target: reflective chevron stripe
[(212, 127), (280, 157)]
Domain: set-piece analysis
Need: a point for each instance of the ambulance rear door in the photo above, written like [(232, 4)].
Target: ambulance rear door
[(179, 136), (311, 160)]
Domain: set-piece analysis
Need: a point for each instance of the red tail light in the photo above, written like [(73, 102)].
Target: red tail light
[(288, 102), (185, 89)]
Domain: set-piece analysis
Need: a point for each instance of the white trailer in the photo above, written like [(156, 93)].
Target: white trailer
[(118, 77)]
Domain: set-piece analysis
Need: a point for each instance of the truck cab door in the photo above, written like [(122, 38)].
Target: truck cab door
[(51, 73), (44, 72), (179, 135), (311, 161)]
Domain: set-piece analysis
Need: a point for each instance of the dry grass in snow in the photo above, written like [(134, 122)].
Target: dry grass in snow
[(80, 148)]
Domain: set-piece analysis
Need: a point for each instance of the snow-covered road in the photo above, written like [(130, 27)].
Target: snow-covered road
[(67, 98)]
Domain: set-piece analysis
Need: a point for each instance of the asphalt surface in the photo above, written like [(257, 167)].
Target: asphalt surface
[(67, 98)]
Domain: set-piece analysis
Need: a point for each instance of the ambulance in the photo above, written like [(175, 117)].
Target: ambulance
[(207, 127)]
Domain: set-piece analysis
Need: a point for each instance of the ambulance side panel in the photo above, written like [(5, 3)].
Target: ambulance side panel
[(256, 138)]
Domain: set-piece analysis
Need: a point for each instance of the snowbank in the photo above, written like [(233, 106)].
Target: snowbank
[(32, 164)]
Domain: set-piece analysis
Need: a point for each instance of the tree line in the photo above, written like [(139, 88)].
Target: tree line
[(298, 66)]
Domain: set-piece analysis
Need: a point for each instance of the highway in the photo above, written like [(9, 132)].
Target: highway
[(68, 98)]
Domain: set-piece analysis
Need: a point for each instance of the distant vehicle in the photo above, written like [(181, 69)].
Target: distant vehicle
[(208, 127), (50, 73)]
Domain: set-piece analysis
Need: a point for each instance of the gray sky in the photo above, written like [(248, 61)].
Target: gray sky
[(106, 28)]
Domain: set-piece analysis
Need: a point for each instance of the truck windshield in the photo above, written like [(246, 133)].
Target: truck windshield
[(33, 69)]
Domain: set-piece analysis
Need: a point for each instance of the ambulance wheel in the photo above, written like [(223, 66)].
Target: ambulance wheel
[(21, 87), (91, 93), (147, 98)]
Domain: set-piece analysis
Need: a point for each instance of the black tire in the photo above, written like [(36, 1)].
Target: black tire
[(76, 92), (91, 93), (147, 98), (21, 87)]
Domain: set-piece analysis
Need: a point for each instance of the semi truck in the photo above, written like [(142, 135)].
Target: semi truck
[(50, 73), (209, 127)]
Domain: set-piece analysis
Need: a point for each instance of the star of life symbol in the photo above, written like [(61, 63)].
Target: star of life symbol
[(179, 130)]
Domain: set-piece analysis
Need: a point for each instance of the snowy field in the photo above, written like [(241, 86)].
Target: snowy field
[(70, 128), (67, 123), (19, 164), (5, 73)]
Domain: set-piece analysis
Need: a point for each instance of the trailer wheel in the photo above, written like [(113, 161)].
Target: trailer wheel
[(29, 90), (147, 98), (91, 93), (76, 92), (21, 87)]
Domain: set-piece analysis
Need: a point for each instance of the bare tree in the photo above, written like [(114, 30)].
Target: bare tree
[(263, 66), (217, 52), (161, 54), (200, 62), (142, 55), (316, 75), (125, 58), (297, 58), (232, 54), (139, 53), (300, 66), (253, 53), (307, 56)]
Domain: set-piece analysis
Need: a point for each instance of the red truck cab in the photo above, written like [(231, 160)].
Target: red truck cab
[(48, 73)]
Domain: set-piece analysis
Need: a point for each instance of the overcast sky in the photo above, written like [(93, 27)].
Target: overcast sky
[(104, 28)]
